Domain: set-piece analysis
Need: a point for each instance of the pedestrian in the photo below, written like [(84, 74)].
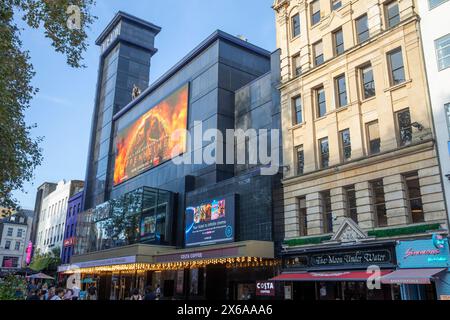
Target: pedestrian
[(76, 290), (59, 294), (34, 295), (149, 294), (158, 292), (50, 293), (92, 292), (68, 295), (135, 295)]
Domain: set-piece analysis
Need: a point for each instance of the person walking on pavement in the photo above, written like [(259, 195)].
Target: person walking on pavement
[(59, 294), (136, 295)]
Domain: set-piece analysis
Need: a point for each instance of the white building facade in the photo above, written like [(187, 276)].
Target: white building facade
[(435, 31), (52, 216), (14, 238)]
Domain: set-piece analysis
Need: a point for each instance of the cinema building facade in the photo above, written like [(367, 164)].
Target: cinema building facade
[(200, 231)]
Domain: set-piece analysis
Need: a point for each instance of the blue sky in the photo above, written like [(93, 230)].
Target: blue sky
[(63, 107)]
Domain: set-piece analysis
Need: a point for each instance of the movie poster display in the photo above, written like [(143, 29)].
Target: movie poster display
[(211, 222), (153, 138)]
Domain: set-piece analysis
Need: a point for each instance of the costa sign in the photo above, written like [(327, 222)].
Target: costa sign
[(265, 288)]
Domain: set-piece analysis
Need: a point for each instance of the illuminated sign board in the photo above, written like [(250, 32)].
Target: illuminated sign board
[(423, 253), (265, 288), (211, 222), (153, 138)]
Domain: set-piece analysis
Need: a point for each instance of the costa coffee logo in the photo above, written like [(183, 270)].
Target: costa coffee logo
[(413, 253)]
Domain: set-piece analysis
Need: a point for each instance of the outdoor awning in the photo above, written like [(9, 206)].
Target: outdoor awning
[(328, 276), (411, 276)]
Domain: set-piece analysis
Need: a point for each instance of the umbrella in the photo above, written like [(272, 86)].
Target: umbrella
[(40, 276)]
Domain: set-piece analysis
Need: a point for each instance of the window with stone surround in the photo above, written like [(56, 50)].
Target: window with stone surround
[(346, 144), (350, 199), (362, 29), (336, 4), (367, 81), (300, 160), (373, 137), (302, 219), (295, 25), (315, 12), (404, 127), (324, 151), (338, 41), (379, 202), (327, 213), (297, 65), (392, 14), (396, 66), (414, 195), (318, 53)]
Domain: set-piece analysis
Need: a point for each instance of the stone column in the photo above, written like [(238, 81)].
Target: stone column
[(314, 214), (291, 222), (338, 206), (396, 204), (366, 214)]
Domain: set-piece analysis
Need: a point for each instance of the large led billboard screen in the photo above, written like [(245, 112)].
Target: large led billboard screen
[(151, 139), (211, 222)]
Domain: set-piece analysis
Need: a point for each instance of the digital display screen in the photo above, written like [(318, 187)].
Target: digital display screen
[(211, 222), (156, 137)]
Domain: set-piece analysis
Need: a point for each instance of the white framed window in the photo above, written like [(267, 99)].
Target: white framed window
[(443, 52), (435, 3)]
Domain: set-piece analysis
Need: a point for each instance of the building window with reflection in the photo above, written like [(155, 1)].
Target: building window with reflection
[(336, 4), (414, 197), (298, 110), (318, 53), (346, 145), (295, 25), (392, 13), (300, 160), (321, 102), (379, 203), (362, 29), (373, 137), (315, 12), (367, 82), (396, 67), (302, 217), (327, 213), (324, 153), (338, 39), (351, 207), (404, 127)]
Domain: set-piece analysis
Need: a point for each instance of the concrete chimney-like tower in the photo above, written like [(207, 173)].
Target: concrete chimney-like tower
[(127, 46)]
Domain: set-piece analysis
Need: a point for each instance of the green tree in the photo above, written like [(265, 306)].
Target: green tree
[(46, 261), (20, 153), (12, 288)]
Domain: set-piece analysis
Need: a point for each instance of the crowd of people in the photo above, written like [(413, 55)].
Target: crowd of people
[(49, 292), (45, 291)]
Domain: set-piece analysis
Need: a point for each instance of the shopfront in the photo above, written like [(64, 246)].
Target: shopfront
[(217, 272), (348, 267), (423, 269)]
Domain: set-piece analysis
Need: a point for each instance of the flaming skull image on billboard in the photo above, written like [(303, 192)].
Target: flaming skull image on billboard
[(153, 138)]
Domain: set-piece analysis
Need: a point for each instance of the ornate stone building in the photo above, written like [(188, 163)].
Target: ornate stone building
[(356, 118)]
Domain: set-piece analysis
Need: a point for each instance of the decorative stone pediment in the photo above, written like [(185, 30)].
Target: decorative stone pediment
[(349, 231)]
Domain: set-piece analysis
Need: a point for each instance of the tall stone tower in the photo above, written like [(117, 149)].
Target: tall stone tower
[(127, 46)]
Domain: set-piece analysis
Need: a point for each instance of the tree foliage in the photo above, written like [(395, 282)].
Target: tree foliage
[(46, 261), (20, 153), (12, 288)]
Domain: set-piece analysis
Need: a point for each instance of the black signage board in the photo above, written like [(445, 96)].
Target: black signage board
[(341, 258)]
